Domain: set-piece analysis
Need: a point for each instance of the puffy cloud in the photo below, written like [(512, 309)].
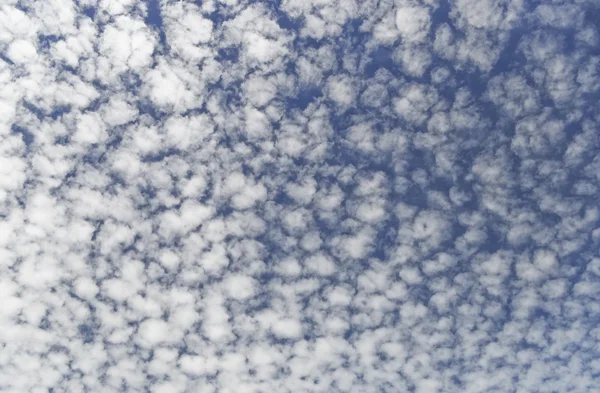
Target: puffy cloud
[(341, 91), (240, 287), (413, 22), (318, 196)]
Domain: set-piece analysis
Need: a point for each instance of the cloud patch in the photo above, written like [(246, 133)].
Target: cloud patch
[(234, 196)]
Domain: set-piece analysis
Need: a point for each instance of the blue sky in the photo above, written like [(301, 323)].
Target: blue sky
[(299, 196)]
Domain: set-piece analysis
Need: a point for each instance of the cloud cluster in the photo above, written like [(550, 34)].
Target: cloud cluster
[(307, 196)]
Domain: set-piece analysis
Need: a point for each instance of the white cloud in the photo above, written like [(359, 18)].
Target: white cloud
[(413, 23), (154, 331), (22, 52), (430, 225), (90, 129), (167, 85), (415, 102), (260, 90), (86, 288), (240, 287), (257, 124), (187, 30), (287, 328), (320, 264), (321, 196), (341, 91), (262, 49), (489, 14), (415, 60), (118, 112), (128, 44)]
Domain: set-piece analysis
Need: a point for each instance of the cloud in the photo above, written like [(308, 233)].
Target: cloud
[(309, 195), (240, 287), (413, 23)]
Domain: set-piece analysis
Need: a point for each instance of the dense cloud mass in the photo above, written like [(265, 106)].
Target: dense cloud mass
[(299, 196)]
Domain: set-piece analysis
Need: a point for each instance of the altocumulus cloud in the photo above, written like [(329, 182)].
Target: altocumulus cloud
[(299, 196)]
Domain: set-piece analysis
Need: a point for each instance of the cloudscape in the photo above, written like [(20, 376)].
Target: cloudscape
[(357, 196)]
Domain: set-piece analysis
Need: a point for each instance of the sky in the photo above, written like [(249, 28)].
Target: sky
[(358, 196)]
